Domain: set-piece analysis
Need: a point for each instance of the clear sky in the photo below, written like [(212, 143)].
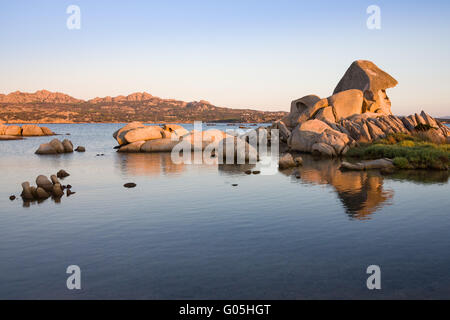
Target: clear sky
[(234, 53)]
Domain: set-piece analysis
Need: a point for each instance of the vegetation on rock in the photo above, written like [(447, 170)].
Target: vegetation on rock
[(408, 152)]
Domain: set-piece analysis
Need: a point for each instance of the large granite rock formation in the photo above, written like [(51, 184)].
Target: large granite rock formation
[(317, 137), (358, 111)]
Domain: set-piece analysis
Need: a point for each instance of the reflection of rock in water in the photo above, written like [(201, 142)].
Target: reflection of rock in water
[(234, 169), (367, 198), (421, 176), (360, 192), (151, 164)]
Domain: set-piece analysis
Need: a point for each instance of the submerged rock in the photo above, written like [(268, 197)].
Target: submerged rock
[(5, 137), (368, 165), (130, 185)]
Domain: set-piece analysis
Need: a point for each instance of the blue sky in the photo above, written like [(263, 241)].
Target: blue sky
[(257, 54)]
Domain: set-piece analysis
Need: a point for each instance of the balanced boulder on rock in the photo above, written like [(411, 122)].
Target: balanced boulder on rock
[(372, 81)]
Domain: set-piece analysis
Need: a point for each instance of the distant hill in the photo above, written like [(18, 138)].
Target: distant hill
[(444, 119), (54, 107)]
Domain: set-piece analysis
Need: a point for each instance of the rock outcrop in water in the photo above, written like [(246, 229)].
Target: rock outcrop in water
[(14, 132), (136, 137), (358, 111), (55, 147), (44, 189)]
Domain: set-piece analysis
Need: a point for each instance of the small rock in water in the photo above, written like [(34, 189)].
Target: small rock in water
[(286, 162), (248, 172), (298, 161), (130, 185), (256, 172), (69, 186), (69, 192), (235, 185), (100, 154), (80, 149), (12, 198), (62, 174)]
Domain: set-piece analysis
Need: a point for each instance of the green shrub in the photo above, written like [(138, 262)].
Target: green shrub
[(402, 163), (406, 143), (420, 155)]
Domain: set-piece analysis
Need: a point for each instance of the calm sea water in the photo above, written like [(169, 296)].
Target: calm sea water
[(186, 232)]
